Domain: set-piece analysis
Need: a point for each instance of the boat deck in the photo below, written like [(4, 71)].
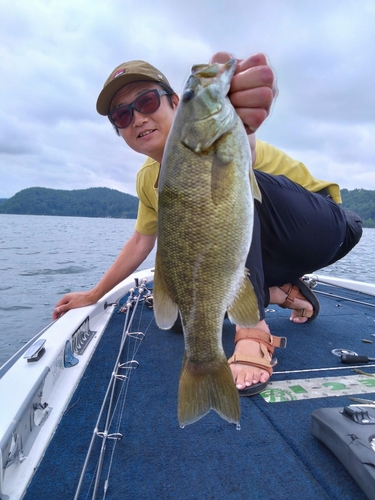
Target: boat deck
[(273, 455)]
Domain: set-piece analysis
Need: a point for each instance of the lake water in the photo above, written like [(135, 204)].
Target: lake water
[(42, 258)]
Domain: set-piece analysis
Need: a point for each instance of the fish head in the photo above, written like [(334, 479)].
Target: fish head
[(220, 74), (205, 110)]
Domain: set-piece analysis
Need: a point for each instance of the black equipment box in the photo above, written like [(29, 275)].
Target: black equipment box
[(349, 433)]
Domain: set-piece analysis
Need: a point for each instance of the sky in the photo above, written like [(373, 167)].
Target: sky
[(56, 54)]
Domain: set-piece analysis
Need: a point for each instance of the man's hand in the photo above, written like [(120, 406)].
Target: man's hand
[(253, 88), (71, 301), (130, 258)]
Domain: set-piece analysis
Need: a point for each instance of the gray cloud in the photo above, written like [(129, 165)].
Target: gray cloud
[(56, 55)]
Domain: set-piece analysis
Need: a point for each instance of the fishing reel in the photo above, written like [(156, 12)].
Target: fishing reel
[(149, 301), (144, 294), (311, 280)]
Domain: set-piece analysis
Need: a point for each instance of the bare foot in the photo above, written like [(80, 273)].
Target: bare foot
[(278, 296), (246, 375)]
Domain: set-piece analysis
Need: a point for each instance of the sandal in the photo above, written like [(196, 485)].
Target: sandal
[(267, 343), (299, 290)]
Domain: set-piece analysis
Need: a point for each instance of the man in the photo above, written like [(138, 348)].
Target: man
[(140, 104)]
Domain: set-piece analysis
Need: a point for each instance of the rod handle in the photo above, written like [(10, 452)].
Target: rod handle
[(350, 359)]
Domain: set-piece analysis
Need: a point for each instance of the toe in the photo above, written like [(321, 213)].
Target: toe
[(246, 375), (243, 377), (296, 318)]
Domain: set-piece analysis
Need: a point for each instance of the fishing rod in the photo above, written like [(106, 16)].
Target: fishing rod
[(348, 284), (131, 307), (344, 298), (311, 280)]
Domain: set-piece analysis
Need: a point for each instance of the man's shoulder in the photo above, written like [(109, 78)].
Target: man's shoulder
[(149, 164), (147, 176)]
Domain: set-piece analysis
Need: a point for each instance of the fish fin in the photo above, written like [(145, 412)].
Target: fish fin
[(206, 386), (221, 160), (244, 310), (254, 186), (165, 309)]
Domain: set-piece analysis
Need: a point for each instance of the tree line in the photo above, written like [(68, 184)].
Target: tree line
[(361, 201), (105, 202), (92, 202)]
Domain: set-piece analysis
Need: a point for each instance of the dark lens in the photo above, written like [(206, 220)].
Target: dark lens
[(121, 117), (148, 103)]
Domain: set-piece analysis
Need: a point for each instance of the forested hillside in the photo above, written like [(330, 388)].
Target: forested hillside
[(92, 202), (105, 202), (361, 201)]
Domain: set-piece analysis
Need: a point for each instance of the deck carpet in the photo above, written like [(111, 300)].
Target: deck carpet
[(274, 455)]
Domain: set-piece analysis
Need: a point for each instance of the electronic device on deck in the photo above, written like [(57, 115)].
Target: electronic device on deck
[(349, 433)]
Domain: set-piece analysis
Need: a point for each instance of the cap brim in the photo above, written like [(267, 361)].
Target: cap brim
[(106, 95)]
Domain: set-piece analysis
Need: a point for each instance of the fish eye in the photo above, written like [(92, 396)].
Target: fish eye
[(188, 95)]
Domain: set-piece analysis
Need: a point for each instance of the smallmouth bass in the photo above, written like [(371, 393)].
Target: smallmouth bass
[(205, 223)]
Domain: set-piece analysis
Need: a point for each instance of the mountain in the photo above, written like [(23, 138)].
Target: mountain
[(92, 202)]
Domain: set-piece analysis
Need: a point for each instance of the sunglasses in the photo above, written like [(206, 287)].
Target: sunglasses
[(146, 103)]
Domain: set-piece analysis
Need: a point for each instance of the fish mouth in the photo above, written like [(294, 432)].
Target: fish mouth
[(145, 133)]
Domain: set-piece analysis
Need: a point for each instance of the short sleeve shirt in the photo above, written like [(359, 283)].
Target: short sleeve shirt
[(268, 159)]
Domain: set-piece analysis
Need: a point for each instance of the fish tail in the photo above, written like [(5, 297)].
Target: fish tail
[(206, 386)]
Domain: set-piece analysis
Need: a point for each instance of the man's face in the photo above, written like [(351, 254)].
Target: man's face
[(146, 134)]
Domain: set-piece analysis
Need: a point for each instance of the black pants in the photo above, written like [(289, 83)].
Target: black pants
[(295, 232)]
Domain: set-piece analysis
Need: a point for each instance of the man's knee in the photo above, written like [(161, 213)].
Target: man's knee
[(354, 223), (353, 235)]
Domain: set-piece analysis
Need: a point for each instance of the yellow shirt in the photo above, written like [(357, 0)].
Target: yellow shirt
[(268, 159), (274, 161), (147, 192)]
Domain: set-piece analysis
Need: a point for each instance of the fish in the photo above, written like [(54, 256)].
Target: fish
[(206, 191)]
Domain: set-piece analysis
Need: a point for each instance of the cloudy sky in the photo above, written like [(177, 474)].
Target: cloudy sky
[(56, 54)]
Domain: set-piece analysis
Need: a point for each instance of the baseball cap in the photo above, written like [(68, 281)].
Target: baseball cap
[(131, 71)]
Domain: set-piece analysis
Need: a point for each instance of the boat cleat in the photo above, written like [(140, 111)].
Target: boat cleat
[(35, 351)]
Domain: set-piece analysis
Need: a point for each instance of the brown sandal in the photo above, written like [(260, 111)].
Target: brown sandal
[(299, 290), (267, 343)]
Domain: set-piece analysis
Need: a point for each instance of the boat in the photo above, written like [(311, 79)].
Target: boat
[(89, 407)]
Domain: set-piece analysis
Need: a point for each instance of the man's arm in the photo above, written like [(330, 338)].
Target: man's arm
[(134, 252)]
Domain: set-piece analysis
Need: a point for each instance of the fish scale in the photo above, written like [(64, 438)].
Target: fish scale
[(205, 223)]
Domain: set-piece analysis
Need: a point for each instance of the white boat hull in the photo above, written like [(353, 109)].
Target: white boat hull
[(37, 393)]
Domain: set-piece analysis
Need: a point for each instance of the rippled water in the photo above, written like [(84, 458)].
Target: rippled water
[(42, 258), (359, 264)]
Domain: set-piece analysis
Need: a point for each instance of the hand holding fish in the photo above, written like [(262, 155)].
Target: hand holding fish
[(253, 88)]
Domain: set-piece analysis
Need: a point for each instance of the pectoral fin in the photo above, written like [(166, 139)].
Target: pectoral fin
[(165, 309), (244, 311), (255, 191)]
